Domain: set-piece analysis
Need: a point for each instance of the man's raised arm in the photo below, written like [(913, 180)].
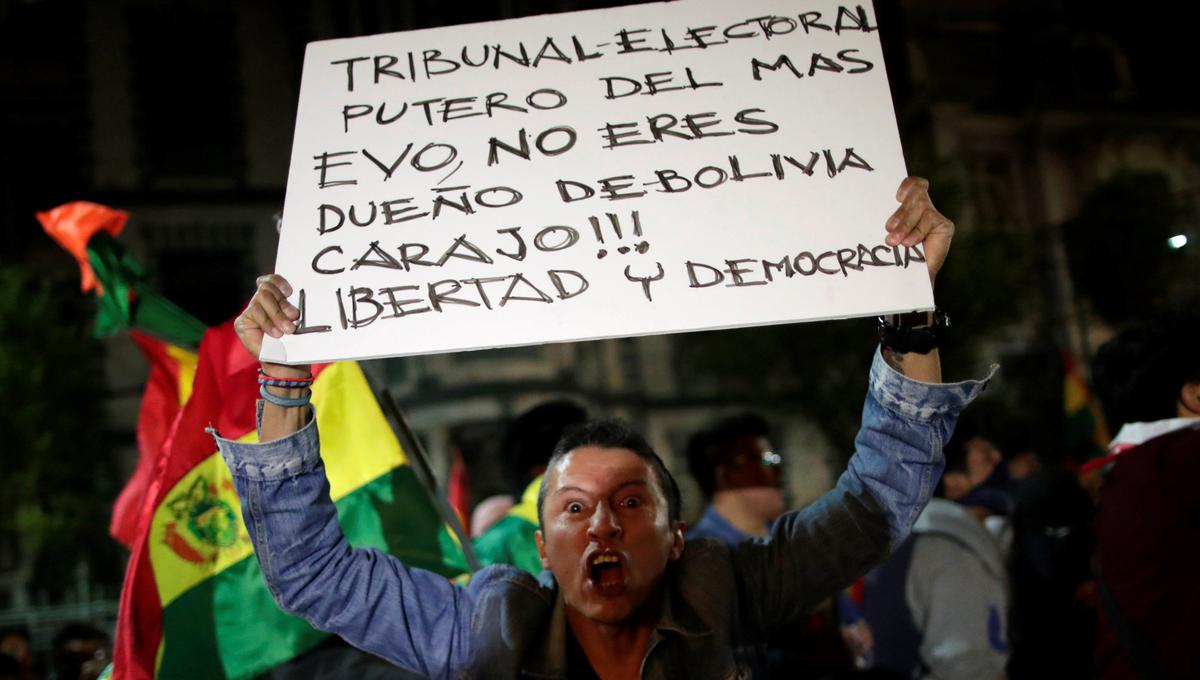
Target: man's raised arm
[(907, 417), (269, 313), (918, 221), (413, 618)]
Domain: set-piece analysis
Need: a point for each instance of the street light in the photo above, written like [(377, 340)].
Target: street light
[(1177, 241)]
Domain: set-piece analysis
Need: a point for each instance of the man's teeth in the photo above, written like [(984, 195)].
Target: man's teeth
[(606, 559)]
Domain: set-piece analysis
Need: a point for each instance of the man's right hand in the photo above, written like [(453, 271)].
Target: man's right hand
[(269, 313)]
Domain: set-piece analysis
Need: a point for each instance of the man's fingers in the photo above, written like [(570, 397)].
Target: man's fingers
[(278, 309), (917, 221), (256, 319), (930, 220), (275, 280), (277, 322), (907, 217), (269, 312), (909, 185)]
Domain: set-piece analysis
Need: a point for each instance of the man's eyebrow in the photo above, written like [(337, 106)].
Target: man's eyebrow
[(562, 489), (632, 482), (623, 485)]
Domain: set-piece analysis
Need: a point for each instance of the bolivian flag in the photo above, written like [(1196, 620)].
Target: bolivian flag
[(194, 603)]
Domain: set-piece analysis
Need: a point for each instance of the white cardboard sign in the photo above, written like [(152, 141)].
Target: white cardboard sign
[(645, 169)]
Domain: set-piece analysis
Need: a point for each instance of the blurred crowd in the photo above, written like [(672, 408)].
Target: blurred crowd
[(78, 651), (1022, 566)]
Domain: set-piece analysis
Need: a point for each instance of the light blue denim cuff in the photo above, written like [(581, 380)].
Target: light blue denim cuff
[(918, 400), (285, 458)]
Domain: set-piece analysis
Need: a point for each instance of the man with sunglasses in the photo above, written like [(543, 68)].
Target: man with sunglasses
[(739, 474)]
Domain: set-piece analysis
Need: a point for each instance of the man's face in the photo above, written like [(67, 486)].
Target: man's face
[(982, 459), (751, 467), (607, 535)]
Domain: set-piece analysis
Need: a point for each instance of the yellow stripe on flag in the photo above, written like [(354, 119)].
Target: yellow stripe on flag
[(527, 508), (197, 531), (1075, 395), (357, 443), (187, 370)]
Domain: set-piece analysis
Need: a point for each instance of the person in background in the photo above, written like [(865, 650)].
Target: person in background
[(80, 651), (740, 475), (938, 606), (15, 644), (1053, 615), (1148, 515), (488, 511), (528, 443)]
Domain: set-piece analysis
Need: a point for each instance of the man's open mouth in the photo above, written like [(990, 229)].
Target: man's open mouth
[(606, 572)]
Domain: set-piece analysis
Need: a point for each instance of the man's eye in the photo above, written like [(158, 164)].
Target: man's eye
[(632, 502), (574, 507)]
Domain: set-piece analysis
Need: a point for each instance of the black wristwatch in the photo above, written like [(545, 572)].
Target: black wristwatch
[(919, 332)]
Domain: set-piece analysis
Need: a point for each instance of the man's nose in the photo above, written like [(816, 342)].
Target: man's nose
[(604, 522)]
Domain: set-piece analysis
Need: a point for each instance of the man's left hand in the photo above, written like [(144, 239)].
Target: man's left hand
[(918, 221)]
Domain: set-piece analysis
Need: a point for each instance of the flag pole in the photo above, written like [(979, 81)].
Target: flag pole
[(424, 472)]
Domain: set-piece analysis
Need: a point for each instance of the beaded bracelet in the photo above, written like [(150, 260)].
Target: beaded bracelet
[(286, 402), (264, 379), (284, 382)]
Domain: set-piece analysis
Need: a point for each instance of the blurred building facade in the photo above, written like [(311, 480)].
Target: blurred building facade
[(1035, 105)]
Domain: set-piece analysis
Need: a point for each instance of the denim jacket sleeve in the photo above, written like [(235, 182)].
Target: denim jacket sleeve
[(412, 618), (812, 553)]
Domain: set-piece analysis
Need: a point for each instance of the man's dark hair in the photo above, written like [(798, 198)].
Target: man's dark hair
[(1138, 374), (614, 434), (705, 450), (955, 450), (76, 630), (530, 439)]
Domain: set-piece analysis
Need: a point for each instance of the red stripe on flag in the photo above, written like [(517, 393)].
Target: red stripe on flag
[(160, 406), (225, 387)]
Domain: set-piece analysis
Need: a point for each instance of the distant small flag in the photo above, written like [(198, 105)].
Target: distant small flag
[(1086, 433)]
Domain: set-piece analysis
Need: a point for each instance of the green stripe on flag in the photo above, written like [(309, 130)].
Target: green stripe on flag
[(398, 518), (189, 645), (229, 627)]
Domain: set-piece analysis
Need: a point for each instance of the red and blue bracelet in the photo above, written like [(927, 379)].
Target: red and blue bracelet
[(271, 381), (265, 381)]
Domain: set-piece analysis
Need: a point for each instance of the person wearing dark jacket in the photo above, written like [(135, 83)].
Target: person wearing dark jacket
[(1147, 528)]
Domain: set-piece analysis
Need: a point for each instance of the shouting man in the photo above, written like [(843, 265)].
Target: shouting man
[(621, 596)]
